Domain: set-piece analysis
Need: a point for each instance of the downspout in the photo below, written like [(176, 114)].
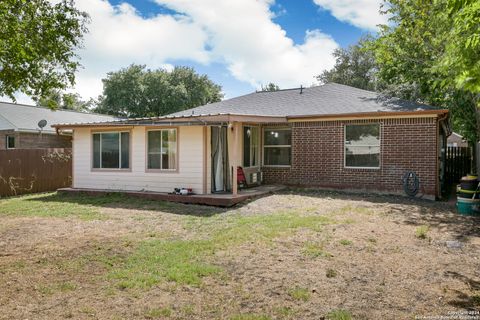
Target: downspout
[(442, 124)]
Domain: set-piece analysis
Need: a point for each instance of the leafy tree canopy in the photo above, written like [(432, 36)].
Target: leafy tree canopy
[(139, 92), (461, 61), (68, 101), (270, 87), (37, 46), (409, 47), (415, 58), (429, 53), (355, 66)]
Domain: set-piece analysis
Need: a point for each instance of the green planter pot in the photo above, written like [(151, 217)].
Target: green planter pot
[(468, 207)]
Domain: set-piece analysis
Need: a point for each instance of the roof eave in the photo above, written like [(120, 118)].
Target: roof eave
[(24, 130), (377, 114), (190, 120)]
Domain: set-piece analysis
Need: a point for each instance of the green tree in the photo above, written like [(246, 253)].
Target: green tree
[(270, 87), (408, 48), (355, 66), (460, 65), (38, 40), (67, 101), (139, 92), (408, 53), (461, 61)]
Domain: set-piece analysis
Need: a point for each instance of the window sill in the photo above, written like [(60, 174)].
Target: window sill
[(161, 170), (277, 166), (252, 167), (362, 168), (111, 170)]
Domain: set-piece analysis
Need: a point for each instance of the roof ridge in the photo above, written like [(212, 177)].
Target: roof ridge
[(311, 87), (273, 91), (45, 108)]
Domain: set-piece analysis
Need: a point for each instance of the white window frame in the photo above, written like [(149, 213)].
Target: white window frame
[(119, 151), (345, 145), (161, 149), (275, 146), (7, 144), (259, 142)]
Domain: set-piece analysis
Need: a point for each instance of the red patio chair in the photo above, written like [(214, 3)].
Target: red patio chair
[(241, 179)]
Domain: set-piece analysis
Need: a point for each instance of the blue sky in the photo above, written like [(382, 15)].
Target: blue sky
[(239, 44), (294, 16)]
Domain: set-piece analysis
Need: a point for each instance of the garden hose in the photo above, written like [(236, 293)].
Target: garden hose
[(411, 183)]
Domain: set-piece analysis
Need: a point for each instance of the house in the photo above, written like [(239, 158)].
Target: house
[(456, 140), (329, 136), (19, 126)]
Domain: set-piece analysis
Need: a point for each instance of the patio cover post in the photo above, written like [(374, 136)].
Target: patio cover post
[(236, 137)]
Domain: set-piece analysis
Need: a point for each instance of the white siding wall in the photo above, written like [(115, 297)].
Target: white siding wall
[(189, 175)]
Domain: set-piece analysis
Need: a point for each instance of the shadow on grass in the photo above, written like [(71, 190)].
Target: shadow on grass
[(463, 300), (440, 215), (436, 214), (122, 201)]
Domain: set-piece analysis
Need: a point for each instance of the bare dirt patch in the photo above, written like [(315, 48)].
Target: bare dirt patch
[(294, 255)]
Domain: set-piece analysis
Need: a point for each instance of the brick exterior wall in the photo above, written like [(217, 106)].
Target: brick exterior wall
[(24, 140), (318, 156)]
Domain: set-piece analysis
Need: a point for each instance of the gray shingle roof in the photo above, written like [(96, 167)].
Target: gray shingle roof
[(328, 99), (25, 118)]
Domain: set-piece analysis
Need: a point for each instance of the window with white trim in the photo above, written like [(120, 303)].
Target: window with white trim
[(111, 150), (251, 146), (277, 146), (10, 142), (362, 145), (162, 149)]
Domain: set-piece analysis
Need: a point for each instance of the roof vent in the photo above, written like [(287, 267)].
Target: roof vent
[(301, 89)]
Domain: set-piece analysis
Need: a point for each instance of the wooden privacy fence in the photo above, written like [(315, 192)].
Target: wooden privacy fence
[(458, 163), (34, 170)]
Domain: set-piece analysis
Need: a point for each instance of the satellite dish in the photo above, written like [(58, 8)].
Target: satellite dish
[(42, 123)]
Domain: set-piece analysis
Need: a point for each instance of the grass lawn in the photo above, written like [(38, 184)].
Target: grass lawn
[(293, 255)]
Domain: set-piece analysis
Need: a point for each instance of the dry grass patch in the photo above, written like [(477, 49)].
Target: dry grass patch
[(156, 313), (315, 250), (114, 257), (345, 242), (188, 261), (250, 316), (299, 293), (339, 314)]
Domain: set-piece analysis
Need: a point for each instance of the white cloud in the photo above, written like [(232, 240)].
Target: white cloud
[(255, 49), (237, 33), (120, 36), (167, 66), (360, 13)]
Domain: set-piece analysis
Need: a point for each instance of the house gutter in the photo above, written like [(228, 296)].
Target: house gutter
[(196, 120), (445, 124), (369, 115)]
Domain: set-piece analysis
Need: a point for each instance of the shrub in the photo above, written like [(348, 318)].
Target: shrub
[(421, 232)]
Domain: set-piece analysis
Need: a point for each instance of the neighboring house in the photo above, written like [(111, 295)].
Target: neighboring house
[(19, 126), (330, 136), (456, 140)]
